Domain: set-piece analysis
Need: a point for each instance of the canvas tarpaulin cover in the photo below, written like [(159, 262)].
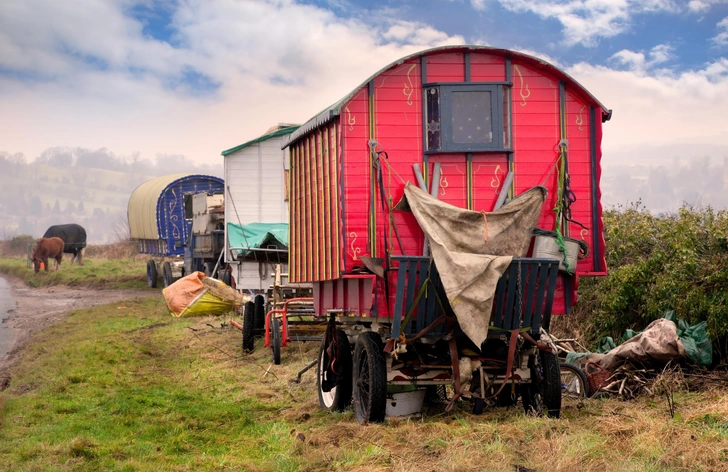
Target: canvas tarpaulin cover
[(255, 235), (199, 295), (664, 340), (472, 250)]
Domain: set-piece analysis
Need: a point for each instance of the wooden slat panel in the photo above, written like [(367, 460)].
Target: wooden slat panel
[(399, 298), (530, 290), (497, 315), (336, 175), (411, 286), (422, 305), (510, 297)]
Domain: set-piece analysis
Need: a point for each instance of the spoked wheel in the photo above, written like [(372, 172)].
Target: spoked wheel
[(152, 274), (167, 274), (333, 376), (574, 386), (544, 391), (275, 340), (259, 313), (370, 379), (248, 320)]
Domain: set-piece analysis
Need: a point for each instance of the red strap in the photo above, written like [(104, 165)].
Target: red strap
[(390, 344), (509, 362)]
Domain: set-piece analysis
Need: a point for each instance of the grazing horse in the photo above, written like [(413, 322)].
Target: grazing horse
[(47, 247), (74, 239)]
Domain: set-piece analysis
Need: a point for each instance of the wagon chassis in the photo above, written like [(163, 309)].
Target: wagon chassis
[(424, 346)]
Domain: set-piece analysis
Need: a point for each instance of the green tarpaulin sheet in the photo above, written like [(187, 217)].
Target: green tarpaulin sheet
[(257, 235), (696, 342)]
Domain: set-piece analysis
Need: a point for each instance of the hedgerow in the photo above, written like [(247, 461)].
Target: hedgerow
[(657, 263)]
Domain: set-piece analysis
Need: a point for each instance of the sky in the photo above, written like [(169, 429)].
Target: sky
[(196, 77)]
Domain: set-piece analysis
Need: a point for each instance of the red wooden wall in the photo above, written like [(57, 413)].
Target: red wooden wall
[(334, 186)]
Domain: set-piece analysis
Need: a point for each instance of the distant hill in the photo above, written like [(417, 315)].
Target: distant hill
[(76, 185)]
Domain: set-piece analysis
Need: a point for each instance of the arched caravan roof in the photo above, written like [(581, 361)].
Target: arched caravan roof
[(334, 110), (145, 201)]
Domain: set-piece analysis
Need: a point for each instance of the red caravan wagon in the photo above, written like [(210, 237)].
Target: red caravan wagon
[(480, 123)]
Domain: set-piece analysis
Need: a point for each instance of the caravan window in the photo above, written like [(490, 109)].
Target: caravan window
[(464, 117)]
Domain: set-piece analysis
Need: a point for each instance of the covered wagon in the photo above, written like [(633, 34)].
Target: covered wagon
[(161, 213), (414, 203)]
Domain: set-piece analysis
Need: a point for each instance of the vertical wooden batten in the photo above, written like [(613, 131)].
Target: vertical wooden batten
[(596, 252), (372, 220)]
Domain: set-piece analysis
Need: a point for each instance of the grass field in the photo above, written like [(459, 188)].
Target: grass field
[(95, 273), (127, 387)]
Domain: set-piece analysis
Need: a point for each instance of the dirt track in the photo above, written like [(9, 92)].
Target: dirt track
[(38, 308)]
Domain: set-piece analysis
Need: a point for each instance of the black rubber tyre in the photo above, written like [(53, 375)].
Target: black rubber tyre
[(574, 386), (207, 268), (339, 397), (544, 391), (248, 320), (167, 274), (259, 313), (370, 379), (275, 340), (152, 274)]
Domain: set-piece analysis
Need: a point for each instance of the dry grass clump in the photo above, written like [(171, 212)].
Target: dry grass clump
[(599, 435), (222, 291), (127, 249), (141, 390)]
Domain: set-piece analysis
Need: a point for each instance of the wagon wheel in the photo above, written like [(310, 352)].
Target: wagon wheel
[(152, 273), (248, 340), (338, 396), (544, 391), (259, 324), (574, 386), (370, 379), (167, 274), (275, 341)]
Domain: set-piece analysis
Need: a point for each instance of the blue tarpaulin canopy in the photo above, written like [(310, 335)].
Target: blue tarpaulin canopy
[(257, 235)]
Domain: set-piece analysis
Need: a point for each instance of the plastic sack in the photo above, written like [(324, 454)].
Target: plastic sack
[(189, 296), (695, 339)]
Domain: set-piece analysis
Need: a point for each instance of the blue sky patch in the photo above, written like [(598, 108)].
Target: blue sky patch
[(156, 20), (194, 82)]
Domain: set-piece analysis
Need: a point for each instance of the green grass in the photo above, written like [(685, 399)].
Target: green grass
[(132, 388), (95, 273)]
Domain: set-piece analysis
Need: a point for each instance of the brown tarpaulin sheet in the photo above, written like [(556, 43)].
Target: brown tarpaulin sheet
[(657, 345), (469, 267), (198, 295)]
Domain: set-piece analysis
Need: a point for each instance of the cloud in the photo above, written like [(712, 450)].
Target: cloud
[(702, 6), (638, 62), (722, 37), (658, 107), (92, 75), (587, 21)]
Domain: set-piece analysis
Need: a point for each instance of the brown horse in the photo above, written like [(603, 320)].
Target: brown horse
[(47, 247)]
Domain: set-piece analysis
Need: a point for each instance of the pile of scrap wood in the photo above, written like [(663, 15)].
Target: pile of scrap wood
[(653, 361)]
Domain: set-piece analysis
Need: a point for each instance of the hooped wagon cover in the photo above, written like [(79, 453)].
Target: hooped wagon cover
[(472, 250), (156, 211)]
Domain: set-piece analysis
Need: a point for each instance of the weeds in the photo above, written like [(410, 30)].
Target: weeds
[(137, 390), (95, 273)]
